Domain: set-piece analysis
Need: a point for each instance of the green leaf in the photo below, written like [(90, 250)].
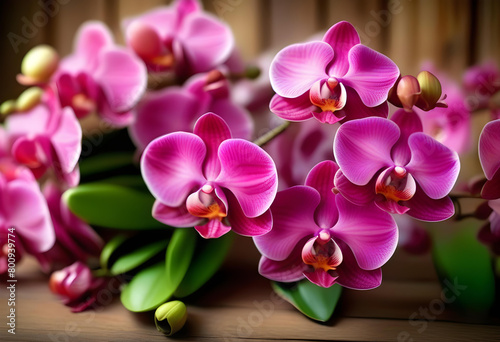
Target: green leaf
[(137, 257), (180, 251), (110, 248), (128, 181), (206, 262), (465, 268), (314, 301), (104, 162), (147, 289), (112, 206)]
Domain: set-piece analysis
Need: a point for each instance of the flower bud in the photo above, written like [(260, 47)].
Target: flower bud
[(71, 282), (431, 90), (170, 317), (8, 107), (216, 84), (408, 91), (38, 65), (29, 99)]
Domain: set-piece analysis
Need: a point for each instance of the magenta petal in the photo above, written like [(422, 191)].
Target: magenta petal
[(370, 232), (491, 189), (172, 166), (293, 220), (356, 109), (123, 78), (162, 19), (321, 178), (246, 226), (67, 140), (424, 208), (213, 229), (350, 275), (165, 111), (176, 217), (408, 123), (489, 148), (295, 68), (27, 211), (237, 118), (292, 109), (391, 206), (495, 217), (362, 147), (249, 173), (213, 130), (341, 37), (207, 42), (434, 166), (288, 270), (360, 195), (371, 74), (320, 277)]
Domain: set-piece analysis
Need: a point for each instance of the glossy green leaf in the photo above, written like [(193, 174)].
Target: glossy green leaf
[(312, 300), (110, 248), (179, 254), (206, 262), (128, 181), (104, 162), (137, 257), (465, 268), (147, 289), (112, 206)]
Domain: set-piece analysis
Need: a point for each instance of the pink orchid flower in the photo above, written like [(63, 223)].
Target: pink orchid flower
[(100, 76), (489, 234), (177, 109), (75, 240), (321, 236), (76, 286), (180, 37), (47, 138), (23, 208), (481, 82), (395, 165), (210, 181), (489, 156), (336, 79)]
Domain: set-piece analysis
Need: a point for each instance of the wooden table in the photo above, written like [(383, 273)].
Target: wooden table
[(239, 305)]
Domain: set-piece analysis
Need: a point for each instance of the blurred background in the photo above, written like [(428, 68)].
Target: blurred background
[(453, 34)]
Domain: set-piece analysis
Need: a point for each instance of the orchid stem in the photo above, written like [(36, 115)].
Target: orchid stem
[(264, 139), (459, 195)]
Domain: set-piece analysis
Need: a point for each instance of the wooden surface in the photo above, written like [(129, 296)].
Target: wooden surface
[(239, 305)]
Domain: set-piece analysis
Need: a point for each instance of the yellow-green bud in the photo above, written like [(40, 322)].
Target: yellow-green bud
[(29, 99), (40, 63), (170, 317), (8, 107), (431, 90)]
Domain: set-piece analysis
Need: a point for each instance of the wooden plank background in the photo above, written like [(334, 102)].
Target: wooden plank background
[(451, 33)]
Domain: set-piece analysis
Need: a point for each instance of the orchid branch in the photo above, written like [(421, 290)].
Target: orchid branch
[(264, 139)]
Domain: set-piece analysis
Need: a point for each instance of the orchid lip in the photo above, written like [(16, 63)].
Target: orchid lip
[(329, 95), (205, 204), (396, 184), (83, 102), (322, 254)]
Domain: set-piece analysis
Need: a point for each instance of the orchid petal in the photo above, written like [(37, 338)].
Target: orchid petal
[(172, 166), (293, 219), (434, 166), (408, 123), (213, 229), (176, 217), (213, 130), (207, 42), (321, 178), (362, 147), (249, 173), (295, 68), (390, 206), (67, 140), (237, 118), (360, 195), (293, 109), (491, 189), (424, 208), (320, 277), (489, 148), (341, 37), (288, 270), (352, 276), (123, 78), (356, 109), (370, 232), (371, 74), (246, 226)]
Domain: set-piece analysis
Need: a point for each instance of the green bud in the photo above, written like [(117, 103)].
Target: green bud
[(8, 107), (431, 90), (29, 99), (170, 317), (39, 64)]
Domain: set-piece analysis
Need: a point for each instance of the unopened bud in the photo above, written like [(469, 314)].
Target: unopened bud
[(216, 84), (29, 99), (170, 317), (38, 65), (431, 90), (8, 107), (408, 91)]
